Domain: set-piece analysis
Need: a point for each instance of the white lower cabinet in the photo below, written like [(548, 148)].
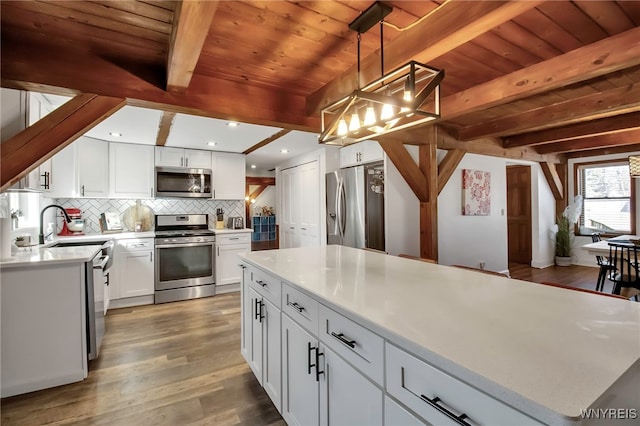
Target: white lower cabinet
[(135, 267), (300, 375), (228, 247), (397, 415), (346, 396)]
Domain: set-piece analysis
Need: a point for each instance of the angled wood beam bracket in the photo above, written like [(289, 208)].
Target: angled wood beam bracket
[(40, 141), (553, 179), (448, 165), (165, 127), (192, 20), (408, 168), (266, 141), (450, 25)]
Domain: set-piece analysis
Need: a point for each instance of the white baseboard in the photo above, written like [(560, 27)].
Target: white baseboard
[(128, 302), (541, 264)]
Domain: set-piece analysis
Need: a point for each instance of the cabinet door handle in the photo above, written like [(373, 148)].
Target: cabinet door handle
[(434, 403), (82, 190), (260, 305), (309, 365), (304, 229), (318, 372), (295, 306), (45, 185), (262, 283), (151, 257), (242, 266), (218, 251), (291, 227), (152, 191), (317, 360), (186, 161), (181, 161), (341, 337)]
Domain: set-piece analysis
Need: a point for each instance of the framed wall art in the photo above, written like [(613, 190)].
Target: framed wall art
[(476, 193)]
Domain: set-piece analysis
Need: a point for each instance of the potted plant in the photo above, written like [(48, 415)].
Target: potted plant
[(563, 231)]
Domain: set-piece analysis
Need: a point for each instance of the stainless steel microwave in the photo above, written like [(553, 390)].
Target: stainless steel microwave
[(181, 182)]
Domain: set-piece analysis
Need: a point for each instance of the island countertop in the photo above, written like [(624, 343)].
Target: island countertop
[(545, 350)]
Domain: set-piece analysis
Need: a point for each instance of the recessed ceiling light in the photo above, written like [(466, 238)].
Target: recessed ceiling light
[(233, 124), (115, 134), (284, 151), (212, 143), (253, 166)]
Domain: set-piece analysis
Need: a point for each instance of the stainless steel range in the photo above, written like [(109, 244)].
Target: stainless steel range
[(185, 265)]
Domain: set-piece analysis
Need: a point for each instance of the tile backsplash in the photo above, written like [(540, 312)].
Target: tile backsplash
[(92, 208)]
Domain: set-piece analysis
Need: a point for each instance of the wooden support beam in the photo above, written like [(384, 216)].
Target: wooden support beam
[(165, 127), (611, 102), (39, 142), (259, 190), (408, 168), (594, 60), (553, 179), (192, 20), (450, 25), (619, 123), (259, 180), (604, 151), (448, 165), (266, 141), (429, 209), (630, 137), (563, 174)]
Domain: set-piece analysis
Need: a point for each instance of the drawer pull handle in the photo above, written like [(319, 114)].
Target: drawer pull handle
[(235, 238), (434, 403), (262, 283), (346, 341), (295, 306)]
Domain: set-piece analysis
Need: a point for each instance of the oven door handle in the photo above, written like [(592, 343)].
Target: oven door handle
[(162, 246)]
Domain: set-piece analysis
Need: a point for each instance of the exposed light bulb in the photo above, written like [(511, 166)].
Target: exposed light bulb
[(354, 124), (369, 116), (253, 200), (387, 112), (246, 198), (342, 127)]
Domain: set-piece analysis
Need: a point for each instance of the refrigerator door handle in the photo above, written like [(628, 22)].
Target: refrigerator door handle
[(343, 208)]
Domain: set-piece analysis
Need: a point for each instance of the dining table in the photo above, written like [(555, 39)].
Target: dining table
[(602, 247)]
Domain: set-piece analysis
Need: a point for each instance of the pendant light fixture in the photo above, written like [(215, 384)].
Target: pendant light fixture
[(405, 97)]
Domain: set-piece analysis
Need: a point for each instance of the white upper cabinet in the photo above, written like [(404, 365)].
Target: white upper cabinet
[(360, 153), (131, 171), (93, 167), (229, 175), (179, 157)]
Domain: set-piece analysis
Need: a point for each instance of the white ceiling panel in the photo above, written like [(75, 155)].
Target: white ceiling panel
[(192, 131), (136, 125), (295, 142)]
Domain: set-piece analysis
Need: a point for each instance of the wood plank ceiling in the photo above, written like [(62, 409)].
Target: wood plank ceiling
[(550, 76)]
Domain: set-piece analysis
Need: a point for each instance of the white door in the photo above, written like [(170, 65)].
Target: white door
[(131, 170), (255, 330), (197, 159), (271, 358), (228, 176), (346, 396), (64, 173), (300, 390), (93, 167), (309, 204), (169, 157), (227, 271), (287, 227), (136, 273)]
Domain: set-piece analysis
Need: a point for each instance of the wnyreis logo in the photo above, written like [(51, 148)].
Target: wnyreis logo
[(609, 413)]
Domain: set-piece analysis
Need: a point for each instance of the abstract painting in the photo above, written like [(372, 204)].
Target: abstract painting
[(476, 193)]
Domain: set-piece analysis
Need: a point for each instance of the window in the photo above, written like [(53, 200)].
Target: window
[(607, 192)]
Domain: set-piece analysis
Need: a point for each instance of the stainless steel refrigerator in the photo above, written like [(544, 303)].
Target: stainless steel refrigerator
[(355, 206)]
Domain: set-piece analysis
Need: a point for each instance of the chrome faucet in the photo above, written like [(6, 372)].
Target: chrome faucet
[(66, 217)]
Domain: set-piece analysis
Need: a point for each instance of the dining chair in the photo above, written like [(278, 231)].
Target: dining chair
[(626, 275), (603, 262)]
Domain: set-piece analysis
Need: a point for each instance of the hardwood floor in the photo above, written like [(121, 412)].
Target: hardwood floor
[(180, 363), (172, 364)]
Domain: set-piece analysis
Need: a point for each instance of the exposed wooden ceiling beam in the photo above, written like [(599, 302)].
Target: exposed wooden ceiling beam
[(259, 180), (165, 127), (408, 168), (553, 179), (450, 25), (598, 105), (619, 123), (40, 141), (593, 60), (630, 137), (192, 20), (25, 66), (604, 151), (266, 141)]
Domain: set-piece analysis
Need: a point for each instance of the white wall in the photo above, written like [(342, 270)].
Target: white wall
[(469, 240), (266, 199), (543, 207), (402, 211)]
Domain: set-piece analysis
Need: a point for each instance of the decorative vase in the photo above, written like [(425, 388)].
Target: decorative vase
[(563, 260)]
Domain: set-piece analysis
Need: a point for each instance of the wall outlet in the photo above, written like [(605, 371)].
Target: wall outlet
[(482, 264)]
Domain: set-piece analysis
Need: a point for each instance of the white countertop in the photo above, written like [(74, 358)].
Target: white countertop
[(231, 231), (557, 348), (43, 256), (104, 237)]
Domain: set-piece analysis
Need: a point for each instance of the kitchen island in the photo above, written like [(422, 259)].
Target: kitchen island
[(44, 341), (518, 352)]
